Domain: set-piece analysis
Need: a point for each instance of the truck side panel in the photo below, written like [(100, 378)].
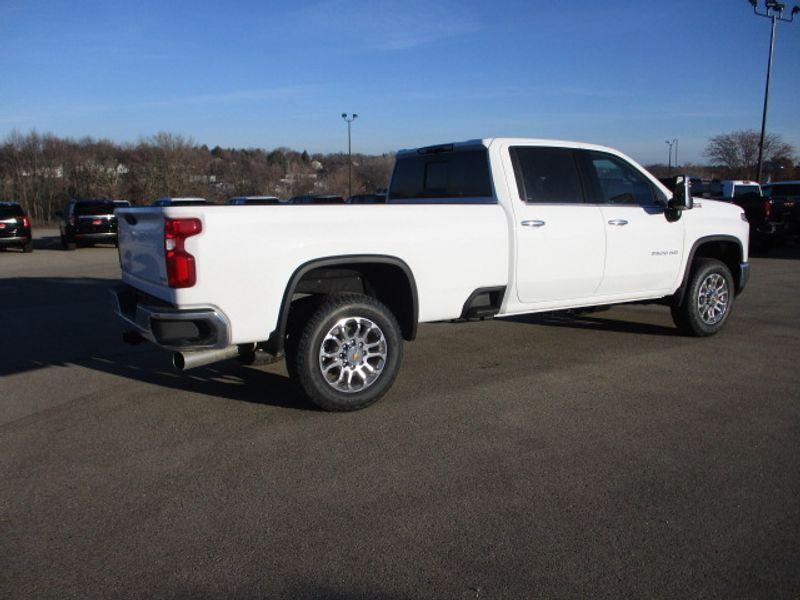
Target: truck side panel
[(245, 256)]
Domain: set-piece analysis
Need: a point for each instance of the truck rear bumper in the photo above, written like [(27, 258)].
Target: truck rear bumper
[(169, 327)]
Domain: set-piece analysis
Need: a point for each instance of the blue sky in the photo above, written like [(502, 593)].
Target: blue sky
[(267, 74)]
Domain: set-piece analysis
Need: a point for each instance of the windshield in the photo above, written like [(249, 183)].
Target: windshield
[(94, 208), (9, 212), (744, 190)]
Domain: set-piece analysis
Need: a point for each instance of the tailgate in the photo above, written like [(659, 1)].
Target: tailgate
[(141, 245)]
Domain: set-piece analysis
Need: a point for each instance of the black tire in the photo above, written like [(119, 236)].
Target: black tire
[(306, 337), (66, 244), (687, 316), (27, 248)]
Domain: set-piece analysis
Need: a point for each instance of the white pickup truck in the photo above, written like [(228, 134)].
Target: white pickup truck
[(476, 229)]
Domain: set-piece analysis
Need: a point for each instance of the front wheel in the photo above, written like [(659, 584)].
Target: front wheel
[(347, 354), (708, 299)]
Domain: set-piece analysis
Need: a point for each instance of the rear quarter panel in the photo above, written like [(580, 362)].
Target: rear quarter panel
[(246, 255)]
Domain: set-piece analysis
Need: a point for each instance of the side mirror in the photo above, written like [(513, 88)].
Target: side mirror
[(682, 196)]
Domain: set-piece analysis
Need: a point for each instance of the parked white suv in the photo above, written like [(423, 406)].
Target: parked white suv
[(482, 228)]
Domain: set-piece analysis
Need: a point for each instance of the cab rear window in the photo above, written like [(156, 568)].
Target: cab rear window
[(460, 176), (744, 190), (777, 191)]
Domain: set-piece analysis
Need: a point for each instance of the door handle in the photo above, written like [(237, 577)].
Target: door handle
[(618, 222), (533, 223)]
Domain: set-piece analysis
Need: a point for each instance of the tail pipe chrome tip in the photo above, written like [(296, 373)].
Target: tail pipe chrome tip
[(183, 361)]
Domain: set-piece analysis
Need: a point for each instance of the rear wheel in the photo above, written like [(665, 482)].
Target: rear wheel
[(66, 244), (28, 247), (708, 299), (346, 355)]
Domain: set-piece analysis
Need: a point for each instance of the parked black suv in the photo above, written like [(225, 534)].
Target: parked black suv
[(15, 227), (88, 222)]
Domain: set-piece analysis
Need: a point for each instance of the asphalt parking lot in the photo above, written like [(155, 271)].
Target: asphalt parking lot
[(602, 456)]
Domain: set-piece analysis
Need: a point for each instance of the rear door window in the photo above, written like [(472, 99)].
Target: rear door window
[(546, 175), (454, 176)]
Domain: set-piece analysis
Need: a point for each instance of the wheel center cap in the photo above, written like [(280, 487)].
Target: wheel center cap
[(354, 355)]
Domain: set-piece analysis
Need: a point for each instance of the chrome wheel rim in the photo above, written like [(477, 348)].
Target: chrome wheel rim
[(352, 354), (713, 298)]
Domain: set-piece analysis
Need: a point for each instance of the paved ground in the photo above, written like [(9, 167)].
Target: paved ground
[(598, 457)]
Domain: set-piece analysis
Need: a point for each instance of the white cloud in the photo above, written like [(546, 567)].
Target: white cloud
[(390, 24)]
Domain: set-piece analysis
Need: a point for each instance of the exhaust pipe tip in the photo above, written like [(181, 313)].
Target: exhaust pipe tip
[(178, 362), (183, 361)]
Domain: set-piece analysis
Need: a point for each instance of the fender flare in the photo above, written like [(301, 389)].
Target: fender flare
[(275, 341), (681, 291)]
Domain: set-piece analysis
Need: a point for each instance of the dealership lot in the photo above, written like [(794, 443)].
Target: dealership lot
[(542, 456)]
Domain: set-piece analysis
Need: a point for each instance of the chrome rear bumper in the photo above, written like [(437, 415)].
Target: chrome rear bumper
[(169, 327)]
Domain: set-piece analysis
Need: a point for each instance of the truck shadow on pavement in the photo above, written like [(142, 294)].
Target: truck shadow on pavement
[(593, 322), (790, 251), (63, 321), (228, 379)]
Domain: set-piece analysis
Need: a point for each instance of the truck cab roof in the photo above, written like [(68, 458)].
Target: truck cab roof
[(488, 142)]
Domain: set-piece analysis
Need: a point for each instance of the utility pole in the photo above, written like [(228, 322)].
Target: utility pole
[(773, 11), (349, 120)]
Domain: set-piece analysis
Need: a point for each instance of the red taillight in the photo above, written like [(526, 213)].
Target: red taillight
[(180, 264), (25, 222), (766, 206)]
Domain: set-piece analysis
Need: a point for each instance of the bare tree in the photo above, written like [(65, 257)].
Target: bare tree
[(738, 150)]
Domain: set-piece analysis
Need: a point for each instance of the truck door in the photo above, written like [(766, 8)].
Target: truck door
[(644, 249), (560, 240)]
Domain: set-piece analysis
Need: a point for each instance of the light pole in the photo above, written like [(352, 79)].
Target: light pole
[(349, 120), (675, 142), (669, 156), (773, 11)]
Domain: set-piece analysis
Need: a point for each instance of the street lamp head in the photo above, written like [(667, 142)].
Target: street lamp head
[(753, 3), (355, 116), (344, 115), (795, 10)]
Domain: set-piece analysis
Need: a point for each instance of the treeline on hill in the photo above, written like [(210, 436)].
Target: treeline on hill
[(43, 172)]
